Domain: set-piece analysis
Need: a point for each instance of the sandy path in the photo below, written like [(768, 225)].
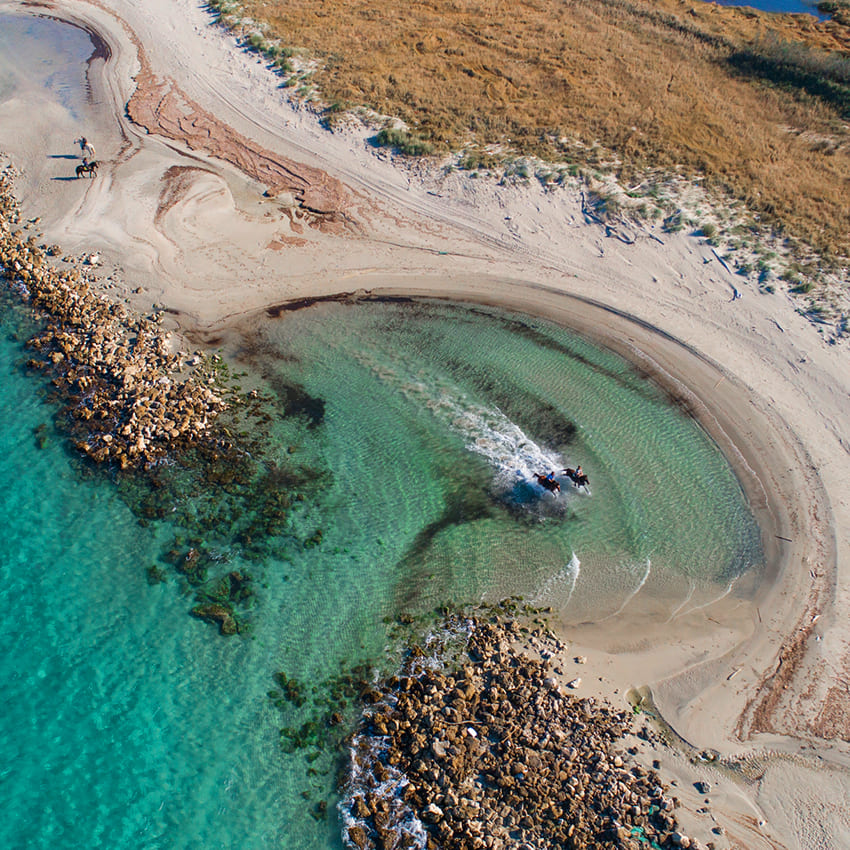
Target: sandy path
[(189, 230)]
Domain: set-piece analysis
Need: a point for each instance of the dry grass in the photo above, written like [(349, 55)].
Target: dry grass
[(759, 105)]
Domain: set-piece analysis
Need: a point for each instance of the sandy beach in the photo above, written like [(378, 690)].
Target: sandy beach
[(218, 200)]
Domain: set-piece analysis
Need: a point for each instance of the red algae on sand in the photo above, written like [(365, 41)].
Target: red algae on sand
[(160, 107)]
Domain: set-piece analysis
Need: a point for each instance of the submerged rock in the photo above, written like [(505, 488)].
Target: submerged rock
[(156, 575), (219, 615)]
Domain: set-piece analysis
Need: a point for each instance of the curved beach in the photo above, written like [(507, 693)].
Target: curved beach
[(219, 201)]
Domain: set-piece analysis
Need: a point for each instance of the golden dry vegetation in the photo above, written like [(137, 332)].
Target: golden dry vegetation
[(758, 104)]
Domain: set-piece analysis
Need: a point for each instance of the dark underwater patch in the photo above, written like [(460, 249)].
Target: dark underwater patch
[(538, 417), (414, 567), (296, 401)]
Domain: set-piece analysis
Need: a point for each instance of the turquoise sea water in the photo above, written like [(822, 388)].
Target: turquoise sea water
[(123, 723), (126, 723)]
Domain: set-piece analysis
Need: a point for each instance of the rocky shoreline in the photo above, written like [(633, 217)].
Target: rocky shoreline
[(130, 398), (476, 744)]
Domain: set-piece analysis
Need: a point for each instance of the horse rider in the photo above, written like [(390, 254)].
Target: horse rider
[(86, 148), (552, 485)]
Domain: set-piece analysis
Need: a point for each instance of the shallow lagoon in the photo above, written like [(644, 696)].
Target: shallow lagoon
[(128, 723), (440, 416)]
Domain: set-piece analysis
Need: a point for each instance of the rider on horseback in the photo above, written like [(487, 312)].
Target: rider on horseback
[(577, 476), (548, 482)]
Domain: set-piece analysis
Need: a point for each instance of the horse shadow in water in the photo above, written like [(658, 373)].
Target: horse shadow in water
[(529, 500)]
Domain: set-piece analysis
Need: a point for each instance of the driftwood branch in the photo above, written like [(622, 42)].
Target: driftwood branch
[(721, 261)]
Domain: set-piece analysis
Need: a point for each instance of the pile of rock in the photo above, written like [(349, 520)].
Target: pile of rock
[(121, 381), (495, 755)]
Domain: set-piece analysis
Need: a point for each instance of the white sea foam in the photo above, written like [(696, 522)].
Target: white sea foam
[(365, 752), (712, 601), (678, 608), (486, 431), (369, 770), (558, 589)]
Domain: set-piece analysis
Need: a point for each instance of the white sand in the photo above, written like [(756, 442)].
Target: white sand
[(768, 680)]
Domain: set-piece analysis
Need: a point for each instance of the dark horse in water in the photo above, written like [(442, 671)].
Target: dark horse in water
[(87, 168), (547, 483), (579, 479)]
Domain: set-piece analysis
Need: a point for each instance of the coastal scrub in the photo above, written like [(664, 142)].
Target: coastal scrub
[(751, 105)]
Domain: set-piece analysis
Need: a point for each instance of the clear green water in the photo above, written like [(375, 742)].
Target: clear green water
[(126, 723), (437, 417)]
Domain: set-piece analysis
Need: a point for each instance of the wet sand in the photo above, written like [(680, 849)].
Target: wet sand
[(221, 200)]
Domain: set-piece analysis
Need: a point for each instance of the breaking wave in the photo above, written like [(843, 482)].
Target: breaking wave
[(646, 567), (559, 588), (373, 784)]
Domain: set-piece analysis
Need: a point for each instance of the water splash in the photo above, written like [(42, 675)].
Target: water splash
[(560, 585), (512, 454), (371, 776), (365, 753)]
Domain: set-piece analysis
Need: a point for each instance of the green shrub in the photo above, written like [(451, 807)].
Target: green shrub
[(475, 160), (674, 223), (817, 313), (403, 141), (257, 42), (838, 9), (791, 65), (333, 114), (803, 288)]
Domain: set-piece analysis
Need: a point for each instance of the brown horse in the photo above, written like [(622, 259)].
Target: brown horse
[(87, 168), (549, 484), (579, 480)]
